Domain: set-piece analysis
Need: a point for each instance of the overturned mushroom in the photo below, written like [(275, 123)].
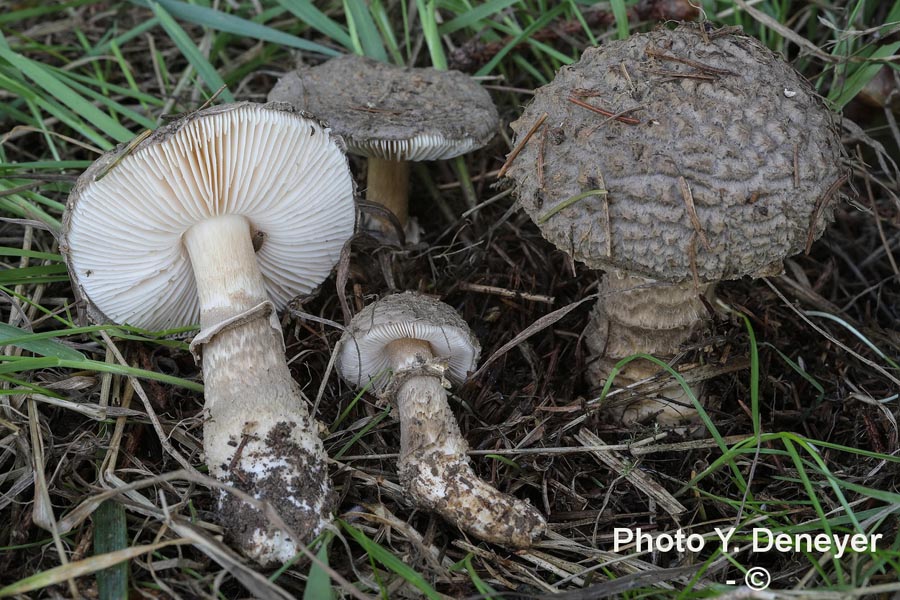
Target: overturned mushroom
[(406, 345), (162, 233), (678, 158), (393, 116)]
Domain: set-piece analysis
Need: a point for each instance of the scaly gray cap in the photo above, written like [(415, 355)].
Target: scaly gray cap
[(391, 112), (125, 217), (722, 121), (363, 355)]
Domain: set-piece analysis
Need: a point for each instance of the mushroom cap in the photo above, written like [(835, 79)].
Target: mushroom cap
[(281, 170), (391, 112), (756, 147), (363, 353)]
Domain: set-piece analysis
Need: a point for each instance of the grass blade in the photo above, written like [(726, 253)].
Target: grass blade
[(112, 105), (120, 40), (18, 364), (214, 19), (190, 51), (15, 16), (81, 568), (318, 582), (524, 35), (386, 28), (430, 31), (7, 251), (42, 274), (486, 591), (13, 336), (44, 78), (18, 87), (363, 29), (111, 535), (312, 16), (473, 18), (390, 561), (620, 13), (840, 96)]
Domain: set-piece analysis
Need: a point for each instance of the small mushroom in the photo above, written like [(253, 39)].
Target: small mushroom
[(407, 346), (160, 234), (393, 115), (701, 169)]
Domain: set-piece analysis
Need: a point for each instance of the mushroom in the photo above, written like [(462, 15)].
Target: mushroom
[(711, 159), (406, 346), (224, 216), (393, 115)]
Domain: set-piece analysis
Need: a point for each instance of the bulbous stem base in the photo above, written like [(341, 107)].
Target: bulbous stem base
[(637, 315), (434, 465), (260, 437)]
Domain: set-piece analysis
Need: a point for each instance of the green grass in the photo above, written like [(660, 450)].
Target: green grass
[(816, 486), (77, 90)]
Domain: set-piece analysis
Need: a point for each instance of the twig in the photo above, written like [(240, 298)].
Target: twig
[(521, 145), (820, 202), (540, 158), (830, 337), (370, 109), (131, 147), (212, 98), (558, 567), (887, 247), (148, 407), (498, 291), (651, 51), (21, 188), (42, 511), (635, 449), (619, 116), (692, 211), (538, 325), (692, 256), (635, 476), (487, 202), (237, 453), (664, 73), (786, 32), (607, 224)]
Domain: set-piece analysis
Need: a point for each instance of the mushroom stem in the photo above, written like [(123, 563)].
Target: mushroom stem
[(638, 315), (260, 437), (387, 184), (434, 464)]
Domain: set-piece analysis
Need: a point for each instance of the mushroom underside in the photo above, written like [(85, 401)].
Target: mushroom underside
[(160, 232)]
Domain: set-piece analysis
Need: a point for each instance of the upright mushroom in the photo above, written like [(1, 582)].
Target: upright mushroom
[(710, 159), (224, 216), (393, 115), (407, 345)]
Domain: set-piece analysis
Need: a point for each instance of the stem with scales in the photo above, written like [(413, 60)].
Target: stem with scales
[(638, 315), (434, 465), (259, 436)]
